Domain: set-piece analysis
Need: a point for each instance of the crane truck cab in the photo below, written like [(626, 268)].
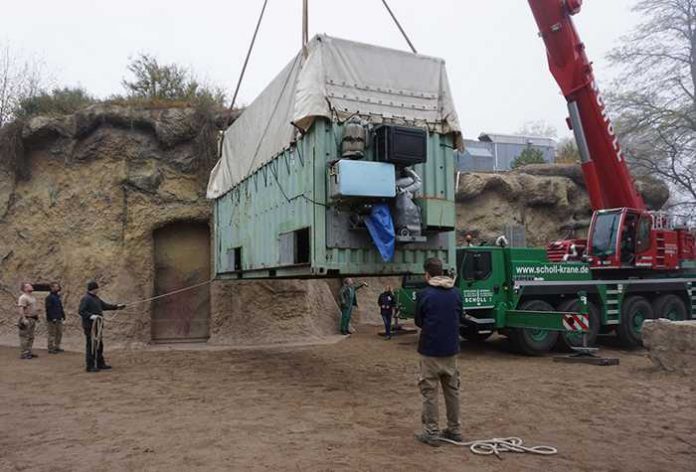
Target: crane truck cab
[(623, 238)]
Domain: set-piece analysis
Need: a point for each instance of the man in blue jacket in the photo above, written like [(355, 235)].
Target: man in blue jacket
[(438, 313)]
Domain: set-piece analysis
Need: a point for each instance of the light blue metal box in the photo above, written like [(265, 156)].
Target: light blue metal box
[(362, 179)]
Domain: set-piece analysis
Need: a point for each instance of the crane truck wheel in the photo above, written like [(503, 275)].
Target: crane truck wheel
[(670, 306), (568, 339), (533, 342), (635, 310)]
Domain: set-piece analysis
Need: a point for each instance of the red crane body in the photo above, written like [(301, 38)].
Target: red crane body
[(623, 233)]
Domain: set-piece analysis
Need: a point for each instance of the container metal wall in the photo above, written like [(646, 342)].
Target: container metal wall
[(257, 211)]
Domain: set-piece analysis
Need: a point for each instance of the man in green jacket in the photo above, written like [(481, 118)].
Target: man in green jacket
[(348, 299)]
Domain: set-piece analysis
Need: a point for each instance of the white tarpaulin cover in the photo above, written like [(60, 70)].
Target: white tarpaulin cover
[(338, 78)]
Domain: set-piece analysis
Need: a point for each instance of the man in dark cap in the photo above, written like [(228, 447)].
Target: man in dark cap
[(91, 310)]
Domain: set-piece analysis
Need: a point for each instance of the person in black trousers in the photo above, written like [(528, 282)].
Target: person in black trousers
[(91, 310), (387, 304)]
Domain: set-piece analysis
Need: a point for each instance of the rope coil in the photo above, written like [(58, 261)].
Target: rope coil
[(496, 446), (96, 333)]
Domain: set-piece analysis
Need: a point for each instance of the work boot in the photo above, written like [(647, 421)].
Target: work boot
[(92, 369), (456, 437), (104, 367), (59, 350), (429, 439)]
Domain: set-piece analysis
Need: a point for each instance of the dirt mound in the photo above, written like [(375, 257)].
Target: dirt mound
[(272, 311)]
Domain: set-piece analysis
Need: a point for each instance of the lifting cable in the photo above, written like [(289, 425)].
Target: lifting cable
[(398, 25), (164, 295), (246, 61)]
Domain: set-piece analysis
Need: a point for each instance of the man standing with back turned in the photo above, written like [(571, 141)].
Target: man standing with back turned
[(91, 310), (438, 312)]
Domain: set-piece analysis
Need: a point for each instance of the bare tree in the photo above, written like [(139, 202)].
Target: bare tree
[(655, 96), (20, 78), (539, 128)]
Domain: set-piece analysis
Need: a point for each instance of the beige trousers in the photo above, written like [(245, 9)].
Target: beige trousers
[(442, 371), (26, 335)]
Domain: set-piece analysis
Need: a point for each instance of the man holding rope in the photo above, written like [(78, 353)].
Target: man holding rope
[(91, 310)]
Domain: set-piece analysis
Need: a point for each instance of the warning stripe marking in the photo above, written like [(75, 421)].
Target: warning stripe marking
[(575, 322)]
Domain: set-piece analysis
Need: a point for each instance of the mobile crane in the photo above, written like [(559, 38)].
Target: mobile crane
[(633, 266), (624, 237)]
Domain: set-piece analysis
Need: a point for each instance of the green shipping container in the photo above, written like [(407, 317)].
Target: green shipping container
[(335, 135)]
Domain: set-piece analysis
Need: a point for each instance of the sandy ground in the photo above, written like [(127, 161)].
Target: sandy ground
[(352, 405)]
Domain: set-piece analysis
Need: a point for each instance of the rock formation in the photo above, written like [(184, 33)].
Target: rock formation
[(549, 201), (671, 345), (82, 196)]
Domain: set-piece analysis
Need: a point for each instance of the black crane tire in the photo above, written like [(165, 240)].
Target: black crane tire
[(533, 342), (670, 306), (634, 311)]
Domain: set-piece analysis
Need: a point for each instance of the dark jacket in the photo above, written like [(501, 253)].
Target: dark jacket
[(54, 307), (387, 303), (93, 305), (347, 293), (438, 313)]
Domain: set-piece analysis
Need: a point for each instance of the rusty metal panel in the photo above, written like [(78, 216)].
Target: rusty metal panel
[(182, 259)]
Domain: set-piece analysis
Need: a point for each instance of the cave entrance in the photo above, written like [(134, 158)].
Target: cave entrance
[(182, 259)]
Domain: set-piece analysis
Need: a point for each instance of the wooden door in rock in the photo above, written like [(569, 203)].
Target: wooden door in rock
[(182, 259)]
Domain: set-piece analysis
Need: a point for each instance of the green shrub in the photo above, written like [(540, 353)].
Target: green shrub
[(60, 101), (529, 156)]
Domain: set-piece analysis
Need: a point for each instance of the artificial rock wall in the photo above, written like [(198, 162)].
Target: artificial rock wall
[(81, 195)]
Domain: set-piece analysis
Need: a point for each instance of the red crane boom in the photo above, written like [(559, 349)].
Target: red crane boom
[(608, 180), (623, 234)]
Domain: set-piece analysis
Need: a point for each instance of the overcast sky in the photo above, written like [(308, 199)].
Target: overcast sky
[(496, 63)]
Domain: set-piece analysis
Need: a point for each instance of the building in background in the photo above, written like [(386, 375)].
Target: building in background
[(496, 152)]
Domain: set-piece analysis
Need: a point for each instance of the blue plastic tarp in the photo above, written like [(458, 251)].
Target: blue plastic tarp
[(381, 228)]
